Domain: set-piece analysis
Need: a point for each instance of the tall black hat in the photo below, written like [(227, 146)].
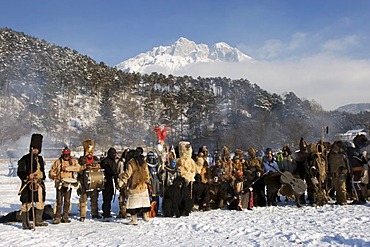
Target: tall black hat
[(36, 142), (360, 141)]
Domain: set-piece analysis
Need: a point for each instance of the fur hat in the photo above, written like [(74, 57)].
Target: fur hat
[(239, 152), (36, 142), (360, 141), (338, 147), (302, 145), (286, 149), (252, 151), (88, 147), (225, 152), (185, 149), (205, 150), (139, 151)]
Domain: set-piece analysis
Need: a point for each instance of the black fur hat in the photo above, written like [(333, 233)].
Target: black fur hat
[(138, 155), (360, 141), (139, 151), (36, 142)]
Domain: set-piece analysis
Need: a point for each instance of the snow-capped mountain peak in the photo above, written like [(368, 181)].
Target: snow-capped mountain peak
[(181, 53), (223, 52)]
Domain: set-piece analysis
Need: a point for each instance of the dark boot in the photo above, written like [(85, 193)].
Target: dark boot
[(56, 220), (96, 216), (65, 214), (65, 218), (39, 221), (25, 221), (122, 210)]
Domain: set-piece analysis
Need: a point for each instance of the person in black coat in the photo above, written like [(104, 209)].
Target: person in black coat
[(155, 182), (357, 163), (31, 171), (110, 172), (176, 199), (200, 193)]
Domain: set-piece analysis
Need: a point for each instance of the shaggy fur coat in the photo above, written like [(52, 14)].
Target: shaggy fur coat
[(186, 164), (176, 199), (137, 177)]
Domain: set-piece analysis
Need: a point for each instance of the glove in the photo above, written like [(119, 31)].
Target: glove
[(32, 176)]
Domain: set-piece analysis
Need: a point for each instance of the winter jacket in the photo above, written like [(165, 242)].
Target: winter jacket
[(155, 181), (136, 176), (271, 165), (24, 170), (169, 174), (109, 165), (56, 173)]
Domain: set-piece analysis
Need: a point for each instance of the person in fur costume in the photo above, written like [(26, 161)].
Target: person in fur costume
[(200, 194), (316, 175), (359, 169), (203, 166), (226, 165), (16, 216), (170, 170), (186, 164), (254, 172), (88, 161), (301, 164), (137, 178), (176, 200), (338, 169), (121, 168), (243, 195), (31, 171), (62, 171)]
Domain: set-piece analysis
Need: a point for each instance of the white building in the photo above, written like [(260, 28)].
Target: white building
[(350, 134)]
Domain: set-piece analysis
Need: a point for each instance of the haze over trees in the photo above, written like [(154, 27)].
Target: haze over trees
[(70, 97)]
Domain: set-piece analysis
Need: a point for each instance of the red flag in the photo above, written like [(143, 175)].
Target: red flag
[(161, 133)]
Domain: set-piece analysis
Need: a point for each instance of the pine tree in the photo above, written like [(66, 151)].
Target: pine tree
[(105, 125)]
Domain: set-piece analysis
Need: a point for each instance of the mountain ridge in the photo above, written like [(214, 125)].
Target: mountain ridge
[(180, 54), (354, 108)]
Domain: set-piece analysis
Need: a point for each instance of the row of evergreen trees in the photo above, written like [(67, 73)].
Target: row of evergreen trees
[(71, 97)]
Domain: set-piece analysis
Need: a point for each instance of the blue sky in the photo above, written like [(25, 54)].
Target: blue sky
[(279, 33)]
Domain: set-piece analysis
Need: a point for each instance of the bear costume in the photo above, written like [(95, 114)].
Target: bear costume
[(186, 164), (176, 200)]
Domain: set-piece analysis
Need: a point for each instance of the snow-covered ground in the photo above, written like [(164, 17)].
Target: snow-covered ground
[(284, 225)]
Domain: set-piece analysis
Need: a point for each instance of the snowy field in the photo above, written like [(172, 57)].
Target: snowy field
[(284, 225)]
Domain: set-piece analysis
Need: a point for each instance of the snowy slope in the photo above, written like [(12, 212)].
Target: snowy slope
[(284, 225), (180, 54), (355, 108)]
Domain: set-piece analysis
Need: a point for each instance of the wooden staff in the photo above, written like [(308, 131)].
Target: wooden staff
[(32, 199)]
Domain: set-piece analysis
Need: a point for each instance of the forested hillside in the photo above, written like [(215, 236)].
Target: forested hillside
[(69, 97)]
